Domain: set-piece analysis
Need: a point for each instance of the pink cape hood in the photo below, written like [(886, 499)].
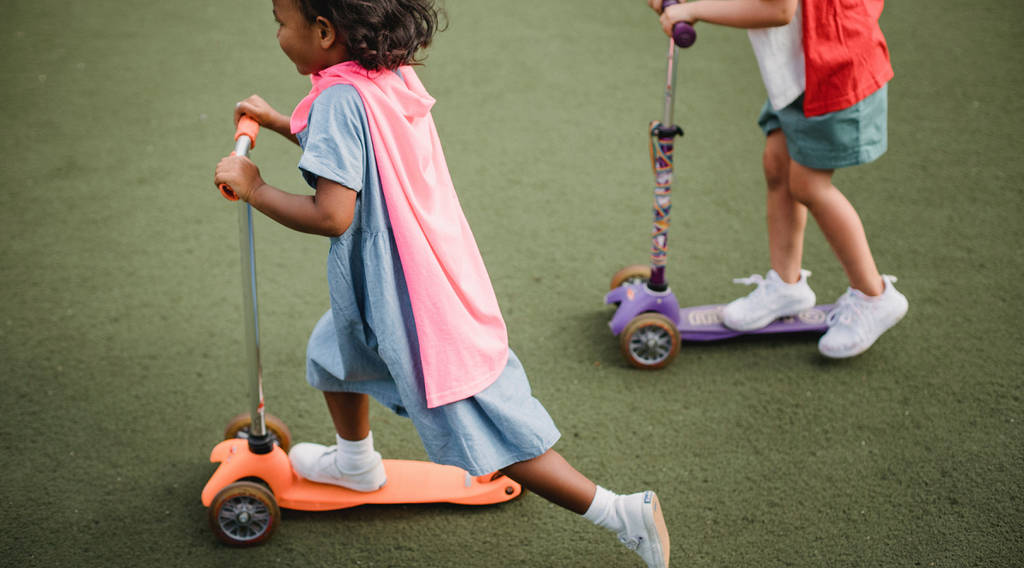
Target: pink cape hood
[(462, 336)]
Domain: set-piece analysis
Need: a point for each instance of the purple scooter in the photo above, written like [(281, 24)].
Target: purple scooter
[(648, 320)]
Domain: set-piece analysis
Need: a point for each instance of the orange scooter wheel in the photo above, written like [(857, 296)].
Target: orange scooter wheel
[(632, 274), (650, 341), (239, 427), (244, 514)]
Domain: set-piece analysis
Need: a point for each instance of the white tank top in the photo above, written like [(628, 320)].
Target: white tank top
[(780, 55)]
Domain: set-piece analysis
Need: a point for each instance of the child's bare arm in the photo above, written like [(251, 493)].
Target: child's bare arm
[(747, 14), (265, 114), (328, 213)]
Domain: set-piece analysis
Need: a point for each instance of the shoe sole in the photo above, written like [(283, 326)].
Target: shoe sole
[(352, 486), (654, 522)]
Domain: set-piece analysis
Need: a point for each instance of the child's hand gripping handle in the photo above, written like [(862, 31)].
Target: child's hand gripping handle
[(682, 32), (245, 140)]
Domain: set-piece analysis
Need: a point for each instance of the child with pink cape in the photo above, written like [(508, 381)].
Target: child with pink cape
[(413, 321)]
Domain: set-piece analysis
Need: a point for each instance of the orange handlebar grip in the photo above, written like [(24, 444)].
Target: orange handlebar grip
[(247, 127), (227, 192)]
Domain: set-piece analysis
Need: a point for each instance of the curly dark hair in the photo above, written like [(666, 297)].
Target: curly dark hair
[(380, 34)]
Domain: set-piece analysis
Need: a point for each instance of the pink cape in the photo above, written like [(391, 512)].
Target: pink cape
[(462, 336)]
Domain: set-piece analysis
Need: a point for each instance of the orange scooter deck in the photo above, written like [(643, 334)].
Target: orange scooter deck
[(408, 482)]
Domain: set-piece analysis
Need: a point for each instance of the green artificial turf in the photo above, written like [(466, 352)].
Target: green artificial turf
[(121, 354)]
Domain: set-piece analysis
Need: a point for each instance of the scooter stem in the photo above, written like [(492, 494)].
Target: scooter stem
[(670, 84), (258, 437), (259, 441), (662, 144)]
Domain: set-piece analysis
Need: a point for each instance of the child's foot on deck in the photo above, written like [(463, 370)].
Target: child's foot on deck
[(360, 471), (858, 320), (772, 299)]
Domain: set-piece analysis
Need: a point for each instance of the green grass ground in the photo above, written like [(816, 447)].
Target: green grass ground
[(120, 324)]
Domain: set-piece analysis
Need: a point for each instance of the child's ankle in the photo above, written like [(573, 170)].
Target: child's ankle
[(602, 511), (354, 455)]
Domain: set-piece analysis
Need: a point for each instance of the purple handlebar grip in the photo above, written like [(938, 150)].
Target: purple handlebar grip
[(682, 33)]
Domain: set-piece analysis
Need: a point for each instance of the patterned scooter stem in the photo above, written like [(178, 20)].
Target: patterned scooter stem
[(662, 143), (661, 160)]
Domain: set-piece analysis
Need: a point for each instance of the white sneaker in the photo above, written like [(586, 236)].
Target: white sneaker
[(320, 464), (858, 320), (772, 299), (645, 532)]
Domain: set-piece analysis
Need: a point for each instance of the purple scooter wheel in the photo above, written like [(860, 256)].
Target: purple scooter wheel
[(682, 33)]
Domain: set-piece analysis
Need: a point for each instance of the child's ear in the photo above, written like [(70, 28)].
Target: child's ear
[(325, 32)]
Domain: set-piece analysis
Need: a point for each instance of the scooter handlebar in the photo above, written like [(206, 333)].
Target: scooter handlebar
[(249, 128), (682, 33)]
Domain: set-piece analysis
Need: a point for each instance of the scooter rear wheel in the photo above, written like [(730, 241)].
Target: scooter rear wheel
[(632, 274), (239, 427), (244, 514), (650, 341)]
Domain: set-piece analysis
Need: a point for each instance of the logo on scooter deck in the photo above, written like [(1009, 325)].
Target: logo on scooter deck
[(812, 316), (705, 317), (713, 316)]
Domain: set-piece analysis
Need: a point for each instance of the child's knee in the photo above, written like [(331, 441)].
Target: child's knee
[(808, 185), (802, 191)]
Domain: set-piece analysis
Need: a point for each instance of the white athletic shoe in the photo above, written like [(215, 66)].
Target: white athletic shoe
[(772, 299), (319, 463), (858, 320), (645, 532)]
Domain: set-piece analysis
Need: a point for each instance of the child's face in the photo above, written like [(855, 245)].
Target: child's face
[(302, 42)]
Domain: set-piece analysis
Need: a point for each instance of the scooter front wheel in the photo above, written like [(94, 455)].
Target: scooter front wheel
[(650, 341), (239, 427), (244, 514), (632, 274)]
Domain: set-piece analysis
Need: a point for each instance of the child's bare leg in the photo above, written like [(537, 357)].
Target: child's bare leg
[(784, 290), (554, 479), (787, 217), (350, 413), (839, 223)]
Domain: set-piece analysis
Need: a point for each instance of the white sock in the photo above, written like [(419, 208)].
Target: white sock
[(603, 512), (355, 457)]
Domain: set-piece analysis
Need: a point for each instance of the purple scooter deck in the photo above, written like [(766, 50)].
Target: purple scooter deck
[(704, 323), (701, 323)]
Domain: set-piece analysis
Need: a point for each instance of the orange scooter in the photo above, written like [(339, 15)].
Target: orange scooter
[(255, 478)]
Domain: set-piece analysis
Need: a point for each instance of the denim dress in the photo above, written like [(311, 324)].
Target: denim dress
[(367, 343)]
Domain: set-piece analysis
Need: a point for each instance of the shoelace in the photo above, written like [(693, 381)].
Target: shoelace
[(752, 279), (845, 311), (762, 283), (632, 543)]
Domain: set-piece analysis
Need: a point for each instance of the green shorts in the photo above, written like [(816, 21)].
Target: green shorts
[(854, 135)]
